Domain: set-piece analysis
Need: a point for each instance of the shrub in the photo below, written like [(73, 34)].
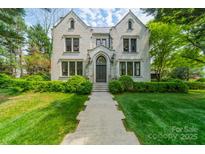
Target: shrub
[(15, 90), (160, 87), (126, 82), (77, 84), (201, 80), (33, 78), (115, 86), (85, 88), (195, 85)]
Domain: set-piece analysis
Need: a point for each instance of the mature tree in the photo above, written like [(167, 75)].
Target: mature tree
[(39, 51), (36, 63), (164, 41), (192, 23), (11, 38), (38, 40)]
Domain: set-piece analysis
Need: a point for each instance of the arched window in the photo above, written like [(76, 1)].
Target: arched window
[(101, 60), (72, 24), (129, 24)]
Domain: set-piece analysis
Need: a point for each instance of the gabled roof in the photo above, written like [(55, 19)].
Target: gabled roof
[(135, 17), (100, 29), (71, 12)]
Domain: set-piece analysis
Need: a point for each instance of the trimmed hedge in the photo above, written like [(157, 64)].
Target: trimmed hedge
[(115, 86), (196, 85), (160, 87), (82, 86), (126, 82)]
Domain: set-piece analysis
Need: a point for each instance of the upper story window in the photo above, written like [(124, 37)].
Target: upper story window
[(100, 41), (130, 45), (72, 24), (130, 25), (72, 44)]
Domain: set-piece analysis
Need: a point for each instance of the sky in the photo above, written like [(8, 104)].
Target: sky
[(91, 16)]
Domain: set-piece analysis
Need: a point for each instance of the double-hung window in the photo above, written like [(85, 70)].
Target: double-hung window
[(72, 44), (130, 45)]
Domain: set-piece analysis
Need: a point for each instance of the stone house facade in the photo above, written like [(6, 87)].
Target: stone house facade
[(100, 53)]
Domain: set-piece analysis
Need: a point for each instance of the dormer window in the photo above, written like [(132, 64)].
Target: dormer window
[(130, 25), (72, 24)]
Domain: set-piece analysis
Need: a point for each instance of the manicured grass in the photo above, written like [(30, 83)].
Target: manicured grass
[(165, 118), (38, 118)]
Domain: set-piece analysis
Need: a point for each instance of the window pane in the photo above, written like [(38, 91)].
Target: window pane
[(130, 25), (122, 68), (72, 24), (133, 45), (68, 44), (104, 42), (72, 68), (98, 42), (130, 68), (101, 61), (126, 45), (76, 44), (79, 68), (137, 68), (64, 66)]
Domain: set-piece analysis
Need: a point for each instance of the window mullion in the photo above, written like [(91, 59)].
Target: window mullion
[(75, 67), (68, 68), (71, 44)]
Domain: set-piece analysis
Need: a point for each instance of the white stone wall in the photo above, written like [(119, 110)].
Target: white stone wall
[(87, 42)]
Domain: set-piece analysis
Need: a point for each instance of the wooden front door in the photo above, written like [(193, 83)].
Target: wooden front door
[(101, 69)]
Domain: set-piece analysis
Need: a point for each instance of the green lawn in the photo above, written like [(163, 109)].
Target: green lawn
[(38, 118), (168, 118)]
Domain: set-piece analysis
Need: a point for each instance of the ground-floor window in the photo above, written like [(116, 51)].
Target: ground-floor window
[(131, 68), (72, 68)]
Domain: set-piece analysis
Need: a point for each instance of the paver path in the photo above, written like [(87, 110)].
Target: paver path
[(101, 123)]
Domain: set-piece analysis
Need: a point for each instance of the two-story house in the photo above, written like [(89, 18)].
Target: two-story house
[(100, 53)]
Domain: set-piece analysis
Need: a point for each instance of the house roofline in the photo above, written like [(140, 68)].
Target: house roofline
[(88, 26)]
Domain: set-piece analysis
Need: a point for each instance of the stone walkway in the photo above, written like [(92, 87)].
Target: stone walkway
[(101, 123)]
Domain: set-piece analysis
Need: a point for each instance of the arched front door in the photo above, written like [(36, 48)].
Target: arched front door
[(101, 72)]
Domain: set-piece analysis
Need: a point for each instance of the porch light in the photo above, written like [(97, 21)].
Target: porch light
[(89, 58), (112, 58)]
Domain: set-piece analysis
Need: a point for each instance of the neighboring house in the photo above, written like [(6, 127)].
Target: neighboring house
[(100, 53)]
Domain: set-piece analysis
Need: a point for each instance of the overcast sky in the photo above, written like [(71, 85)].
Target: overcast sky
[(92, 17)]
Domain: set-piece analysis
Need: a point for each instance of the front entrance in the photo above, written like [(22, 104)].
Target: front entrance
[(101, 69)]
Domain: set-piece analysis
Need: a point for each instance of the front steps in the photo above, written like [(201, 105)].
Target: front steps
[(100, 87)]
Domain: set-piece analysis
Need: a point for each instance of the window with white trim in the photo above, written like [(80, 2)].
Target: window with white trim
[(72, 44), (70, 68), (131, 68)]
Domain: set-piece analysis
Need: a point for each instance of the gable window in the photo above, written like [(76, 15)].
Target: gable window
[(72, 44), (133, 45), (100, 41), (130, 44), (75, 44), (126, 45), (68, 44), (72, 24), (130, 68), (130, 25), (64, 68)]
